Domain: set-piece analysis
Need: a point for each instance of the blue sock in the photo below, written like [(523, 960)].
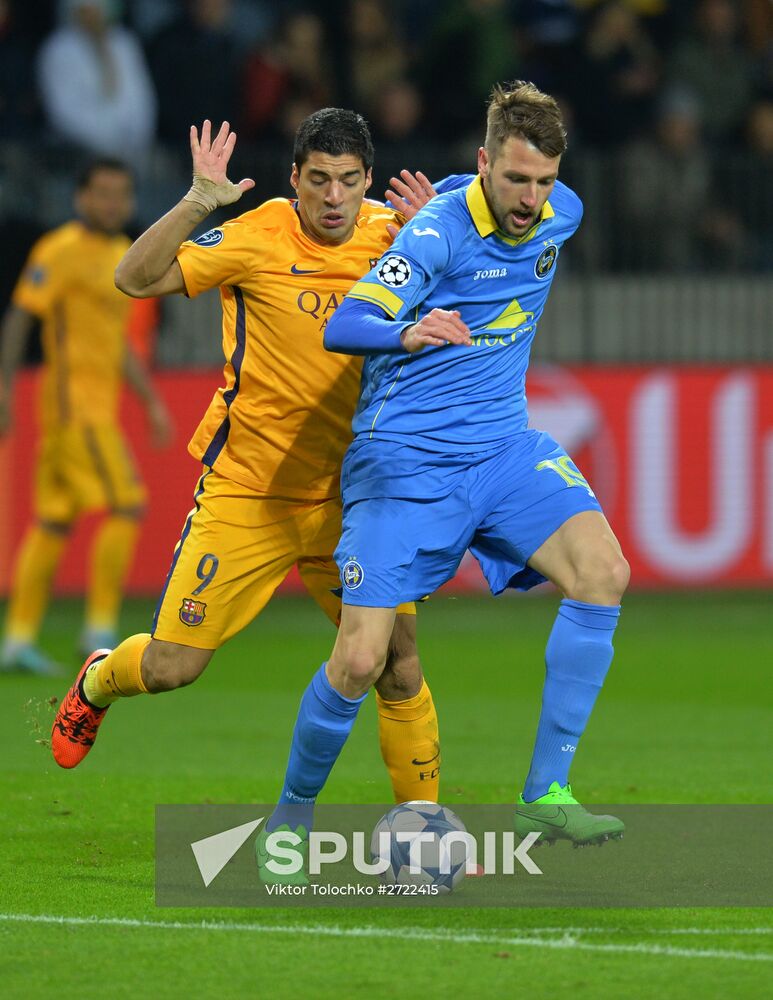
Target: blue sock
[(577, 658), (325, 719)]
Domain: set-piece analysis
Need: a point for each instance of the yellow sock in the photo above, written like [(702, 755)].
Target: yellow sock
[(111, 556), (119, 675), (410, 745), (36, 564)]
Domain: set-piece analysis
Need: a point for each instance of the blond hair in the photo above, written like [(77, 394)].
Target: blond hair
[(520, 109)]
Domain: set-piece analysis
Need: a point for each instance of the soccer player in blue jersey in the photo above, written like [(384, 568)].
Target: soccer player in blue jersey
[(443, 460)]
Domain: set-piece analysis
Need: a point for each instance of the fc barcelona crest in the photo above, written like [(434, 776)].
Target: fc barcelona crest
[(192, 612)]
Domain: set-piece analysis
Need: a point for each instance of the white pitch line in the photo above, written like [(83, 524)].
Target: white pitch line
[(646, 931), (565, 943)]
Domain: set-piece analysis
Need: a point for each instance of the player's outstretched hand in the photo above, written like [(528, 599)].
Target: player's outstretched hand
[(437, 329), (407, 194), (211, 186)]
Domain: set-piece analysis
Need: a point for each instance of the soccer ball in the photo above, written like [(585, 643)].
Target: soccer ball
[(441, 864), (395, 272)]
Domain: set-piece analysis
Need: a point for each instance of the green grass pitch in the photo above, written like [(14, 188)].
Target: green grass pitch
[(684, 718)]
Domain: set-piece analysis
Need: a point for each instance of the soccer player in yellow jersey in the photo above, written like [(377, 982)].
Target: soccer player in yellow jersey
[(83, 464), (271, 442)]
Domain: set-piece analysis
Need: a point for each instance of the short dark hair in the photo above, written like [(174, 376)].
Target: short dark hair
[(88, 170), (334, 131), (520, 109)]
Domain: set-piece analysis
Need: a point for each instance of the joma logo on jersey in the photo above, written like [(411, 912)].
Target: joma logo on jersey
[(192, 612), (491, 272)]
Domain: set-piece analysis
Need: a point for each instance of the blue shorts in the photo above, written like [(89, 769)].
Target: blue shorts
[(410, 515)]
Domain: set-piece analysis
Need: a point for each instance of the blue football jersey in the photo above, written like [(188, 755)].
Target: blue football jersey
[(453, 256)]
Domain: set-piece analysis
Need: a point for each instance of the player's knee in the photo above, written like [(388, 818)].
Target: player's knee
[(601, 577), (167, 665), (620, 575), (365, 665), (402, 642), (360, 651), (353, 669), (402, 679), (402, 676)]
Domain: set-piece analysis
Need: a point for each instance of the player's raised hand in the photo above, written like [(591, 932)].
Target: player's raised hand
[(409, 192), (211, 186), (437, 329)]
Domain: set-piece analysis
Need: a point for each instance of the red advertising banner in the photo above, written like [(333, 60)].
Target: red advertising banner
[(680, 458)]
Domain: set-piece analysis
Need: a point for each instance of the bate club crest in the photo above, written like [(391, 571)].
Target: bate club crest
[(352, 574), (192, 612)]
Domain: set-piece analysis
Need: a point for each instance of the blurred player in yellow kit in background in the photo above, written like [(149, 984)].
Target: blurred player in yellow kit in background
[(83, 462), (272, 441)]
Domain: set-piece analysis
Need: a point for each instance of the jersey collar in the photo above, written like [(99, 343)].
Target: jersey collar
[(485, 222)]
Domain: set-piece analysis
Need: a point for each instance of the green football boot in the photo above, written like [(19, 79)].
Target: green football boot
[(271, 878), (558, 815)]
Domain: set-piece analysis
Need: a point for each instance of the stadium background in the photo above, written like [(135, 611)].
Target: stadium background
[(657, 335)]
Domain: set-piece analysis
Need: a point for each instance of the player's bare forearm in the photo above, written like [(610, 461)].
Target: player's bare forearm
[(149, 267), (16, 328)]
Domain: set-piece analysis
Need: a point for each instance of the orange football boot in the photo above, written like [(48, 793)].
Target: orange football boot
[(77, 720)]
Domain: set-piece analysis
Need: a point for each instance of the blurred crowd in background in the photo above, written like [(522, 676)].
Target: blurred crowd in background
[(669, 103)]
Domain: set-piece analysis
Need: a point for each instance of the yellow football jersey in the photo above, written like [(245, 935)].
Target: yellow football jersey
[(281, 423), (68, 284)]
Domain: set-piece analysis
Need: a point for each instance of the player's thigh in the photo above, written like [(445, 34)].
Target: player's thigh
[(319, 526), (402, 642), (100, 470), (120, 468), (583, 554), (317, 567), (537, 488), (234, 551), (394, 551), (402, 677), (321, 580)]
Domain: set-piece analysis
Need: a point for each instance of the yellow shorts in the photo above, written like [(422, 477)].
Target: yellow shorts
[(83, 468), (235, 549)]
